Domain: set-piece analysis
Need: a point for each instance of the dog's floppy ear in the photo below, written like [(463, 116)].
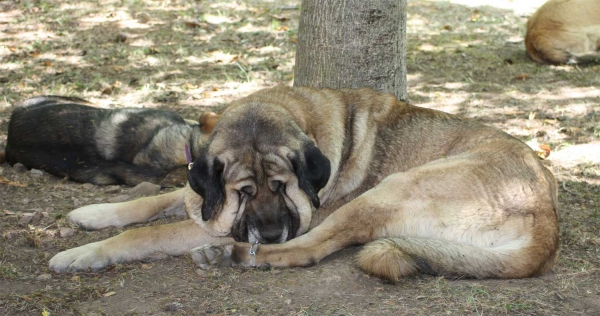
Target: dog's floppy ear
[(206, 179), (313, 171), (208, 120)]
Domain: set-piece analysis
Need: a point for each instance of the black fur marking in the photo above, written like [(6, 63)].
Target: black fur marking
[(207, 180), (312, 172), (424, 267)]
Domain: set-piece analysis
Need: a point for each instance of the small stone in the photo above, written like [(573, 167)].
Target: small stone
[(201, 273), (37, 215), (119, 198), (144, 188), (19, 167), (49, 209), (173, 307), (25, 219), (44, 277), (26, 201), (66, 232), (77, 203), (36, 173), (112, 189), (89, 186), (143, 17)]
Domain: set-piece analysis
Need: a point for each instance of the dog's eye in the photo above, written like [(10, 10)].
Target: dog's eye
[(248, 189), (276, 185)]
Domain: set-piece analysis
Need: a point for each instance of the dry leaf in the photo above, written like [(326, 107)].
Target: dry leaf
[(188, 86), (12, 48), (522, 76), (545, 151), (280, 18), (107, 294), (146, 266), (4, 180), (48, 63), (76, 278), (447, 27)]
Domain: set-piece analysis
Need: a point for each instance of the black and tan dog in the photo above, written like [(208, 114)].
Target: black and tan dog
[(299, 173), (68, 137), (565, 32)]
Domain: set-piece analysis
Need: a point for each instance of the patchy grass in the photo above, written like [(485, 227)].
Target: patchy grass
[(188, 55)]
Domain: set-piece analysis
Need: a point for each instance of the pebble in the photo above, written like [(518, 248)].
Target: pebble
[(112, 189), (25, 219), (77, 203), (44, 277), (89, 186), (19, 167), (66, 232), (26, 200), (201, 273), (36, 216), (119, 198), (144, 188), (36, 173)]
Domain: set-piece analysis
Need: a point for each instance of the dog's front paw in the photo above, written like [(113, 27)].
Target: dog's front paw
[(90, 256), (96, 216), (213, 256)]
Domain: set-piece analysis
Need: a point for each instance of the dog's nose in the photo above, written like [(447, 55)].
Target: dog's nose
[(271, 235)]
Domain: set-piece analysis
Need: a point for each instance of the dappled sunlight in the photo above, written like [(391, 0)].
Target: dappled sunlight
[(517, 6), (463, 56), (571, 155)]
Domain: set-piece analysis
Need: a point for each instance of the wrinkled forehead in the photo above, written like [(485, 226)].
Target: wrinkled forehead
[(257, 124), (256, 164)]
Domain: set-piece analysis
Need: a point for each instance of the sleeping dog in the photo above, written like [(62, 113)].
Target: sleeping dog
[(68, 137)]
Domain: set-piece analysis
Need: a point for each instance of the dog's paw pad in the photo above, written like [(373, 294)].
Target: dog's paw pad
[(212, 256)]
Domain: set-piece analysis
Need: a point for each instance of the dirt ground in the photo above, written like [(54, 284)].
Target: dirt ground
[(191, 55)]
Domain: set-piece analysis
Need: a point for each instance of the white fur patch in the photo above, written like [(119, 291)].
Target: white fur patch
[(97, 216), (106, 135)]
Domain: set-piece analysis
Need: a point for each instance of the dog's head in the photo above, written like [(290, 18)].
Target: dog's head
[(259, 176)]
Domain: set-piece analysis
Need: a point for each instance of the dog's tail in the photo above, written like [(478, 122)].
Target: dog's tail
[(393, 258)]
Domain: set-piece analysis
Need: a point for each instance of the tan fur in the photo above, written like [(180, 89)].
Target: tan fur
[(565, 31), (208, 120), (425, 190)]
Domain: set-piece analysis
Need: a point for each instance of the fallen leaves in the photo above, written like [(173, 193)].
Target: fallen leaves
[(522, 76), (5, 181)]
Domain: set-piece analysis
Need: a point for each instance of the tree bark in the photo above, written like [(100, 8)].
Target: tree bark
[(352, 44)]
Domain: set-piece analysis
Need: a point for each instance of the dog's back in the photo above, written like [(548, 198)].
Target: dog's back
[(68, 137), (50, 124), (565, 31)]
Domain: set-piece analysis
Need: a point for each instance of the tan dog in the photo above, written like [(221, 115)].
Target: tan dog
[(565, 31), (427, 191)]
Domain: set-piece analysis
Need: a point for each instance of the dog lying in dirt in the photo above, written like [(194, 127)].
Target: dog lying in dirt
[(292, 175), (68, 137), (565, 32)]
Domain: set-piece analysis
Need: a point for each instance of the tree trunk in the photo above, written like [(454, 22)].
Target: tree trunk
[(352, 44)]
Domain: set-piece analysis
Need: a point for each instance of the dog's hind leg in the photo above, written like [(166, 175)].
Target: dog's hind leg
[(97, 216), (489, 215), (153, 242)]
